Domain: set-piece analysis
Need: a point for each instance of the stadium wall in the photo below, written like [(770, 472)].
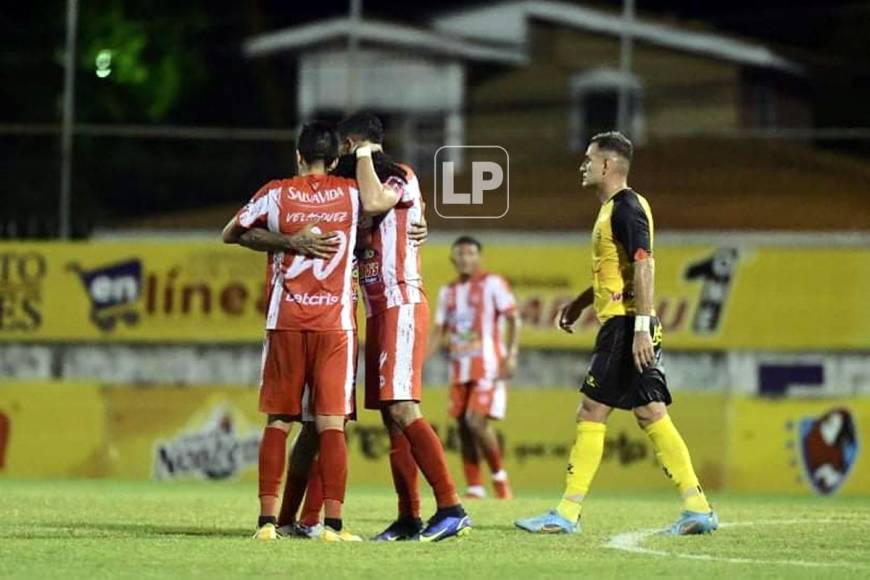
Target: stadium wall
[(738, 443)]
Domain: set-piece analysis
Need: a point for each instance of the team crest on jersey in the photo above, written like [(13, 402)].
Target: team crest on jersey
[(114, 291), (369, 267), (827, 447), (220, 448)]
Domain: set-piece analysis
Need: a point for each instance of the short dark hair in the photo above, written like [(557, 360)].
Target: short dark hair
[(362, 125), (317, 142), (615, 142), (467, 241)]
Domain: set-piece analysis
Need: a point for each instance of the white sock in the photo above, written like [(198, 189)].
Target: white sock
[(476, 490), (500, 476)]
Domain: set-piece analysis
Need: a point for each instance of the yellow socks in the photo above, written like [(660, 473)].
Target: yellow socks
[(582, 464), (673, 455)]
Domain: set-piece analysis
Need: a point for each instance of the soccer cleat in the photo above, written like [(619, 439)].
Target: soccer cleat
[(693, 523), (266, 532), (503, 489), (548, 523), (330, 535), (400, 530), (300, 530), (441, 527)]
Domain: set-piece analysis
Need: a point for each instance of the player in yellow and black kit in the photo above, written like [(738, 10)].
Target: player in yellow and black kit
[(626, 370)]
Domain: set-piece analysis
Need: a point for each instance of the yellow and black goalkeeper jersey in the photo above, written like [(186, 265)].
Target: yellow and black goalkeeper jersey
[(623, 234)]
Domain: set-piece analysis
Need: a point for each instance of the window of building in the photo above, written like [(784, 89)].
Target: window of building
[(594, 105)]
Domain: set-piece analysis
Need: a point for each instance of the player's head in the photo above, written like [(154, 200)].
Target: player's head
[(317, 144), (607, 156), (465, 255), (359, 128), (362, 128)]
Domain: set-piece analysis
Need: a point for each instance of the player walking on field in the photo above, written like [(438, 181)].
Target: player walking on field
[(309, 356), (626, 370), (470, 314)]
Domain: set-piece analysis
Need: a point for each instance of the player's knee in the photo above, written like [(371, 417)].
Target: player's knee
[(404, 413), (594, 411), (281, 422), (329, 422), (649, 414), (475, 422)]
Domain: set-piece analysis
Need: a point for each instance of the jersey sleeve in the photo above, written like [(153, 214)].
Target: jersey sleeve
[(408, 191), (255, 213), (441, 308), (505, 303), (630, 227)]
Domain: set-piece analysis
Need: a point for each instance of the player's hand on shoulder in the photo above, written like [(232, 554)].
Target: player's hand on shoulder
[(311, 242)]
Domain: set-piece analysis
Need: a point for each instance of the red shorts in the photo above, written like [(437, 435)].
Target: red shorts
[(395, 352), (485, 397), (308, 373)]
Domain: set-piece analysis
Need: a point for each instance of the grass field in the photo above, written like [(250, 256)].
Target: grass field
[(99, 529)]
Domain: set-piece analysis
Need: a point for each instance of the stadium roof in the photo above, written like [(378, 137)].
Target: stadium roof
[(509, 22), (499, 33), (382, 33)]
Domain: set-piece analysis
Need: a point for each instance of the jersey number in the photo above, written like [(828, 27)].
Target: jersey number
[(319, 267)]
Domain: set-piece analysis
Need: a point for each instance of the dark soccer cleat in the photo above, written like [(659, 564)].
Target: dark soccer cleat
[(445, 524), (401, 530)]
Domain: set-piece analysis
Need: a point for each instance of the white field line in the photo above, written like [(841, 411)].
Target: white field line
[(633, 542)]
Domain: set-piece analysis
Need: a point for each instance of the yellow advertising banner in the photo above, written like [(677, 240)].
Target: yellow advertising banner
[(799, 445), (213, 433), (52, 430), (707, 297)]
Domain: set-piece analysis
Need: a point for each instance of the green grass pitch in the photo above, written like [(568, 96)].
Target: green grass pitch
[(111, 529)]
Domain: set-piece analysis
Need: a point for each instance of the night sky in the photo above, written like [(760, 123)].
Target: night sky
[(214, 85)]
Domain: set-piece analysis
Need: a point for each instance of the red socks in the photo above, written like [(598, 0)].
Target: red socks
[(313, 497), (333, 465), (272, 460), (429, 455), (472, 473), (493, 459), (404, 470)]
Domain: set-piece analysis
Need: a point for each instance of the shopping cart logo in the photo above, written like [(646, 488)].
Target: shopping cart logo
[(114, 292)]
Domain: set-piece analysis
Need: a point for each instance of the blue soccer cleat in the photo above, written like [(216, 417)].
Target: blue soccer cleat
[(401, 530), (693, 523), (441, 527), (548, 523)]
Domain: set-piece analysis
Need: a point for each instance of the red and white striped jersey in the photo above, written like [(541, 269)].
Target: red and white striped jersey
[(471, 310), (389, 263), (305, 293)]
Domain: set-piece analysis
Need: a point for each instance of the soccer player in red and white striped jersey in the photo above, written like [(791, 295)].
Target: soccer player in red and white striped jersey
[(396, 329), (470, 315), (310, 323)]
